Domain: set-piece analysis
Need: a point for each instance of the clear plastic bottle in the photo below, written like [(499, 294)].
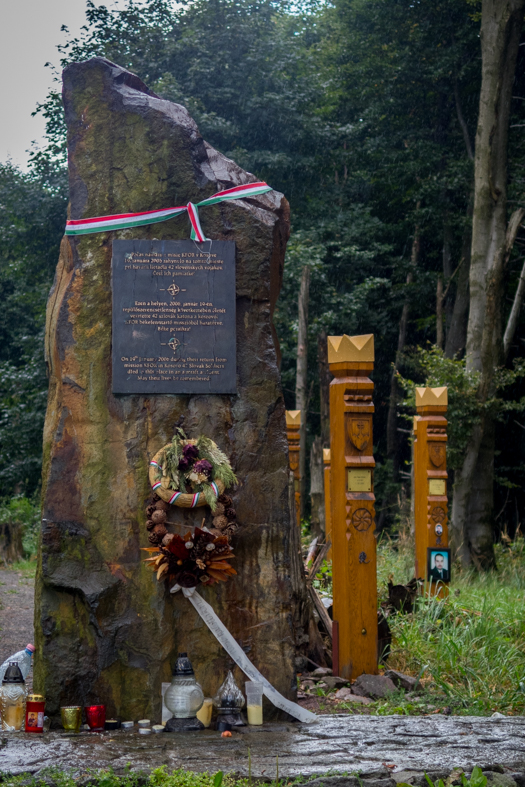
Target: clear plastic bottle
[(23, 658), (13, 697)]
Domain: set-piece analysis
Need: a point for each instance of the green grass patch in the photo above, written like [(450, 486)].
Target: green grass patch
[(25, 567), (468, 647), (160, 777)]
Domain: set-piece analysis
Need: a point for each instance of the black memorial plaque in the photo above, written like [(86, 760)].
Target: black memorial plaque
[(173, 317)]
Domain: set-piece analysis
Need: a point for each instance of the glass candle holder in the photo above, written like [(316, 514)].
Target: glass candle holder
[(96, 717), (13, 696), (229, 700), (71, 717), (254, 695)]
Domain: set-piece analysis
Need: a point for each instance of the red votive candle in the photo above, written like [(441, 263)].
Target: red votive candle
[(35, 707), (95, 717)]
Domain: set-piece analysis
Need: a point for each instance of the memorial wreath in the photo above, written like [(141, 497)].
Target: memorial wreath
[(190, 473), (203, 471)]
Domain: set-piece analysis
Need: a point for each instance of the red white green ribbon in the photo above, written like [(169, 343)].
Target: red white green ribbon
[(124, 220)]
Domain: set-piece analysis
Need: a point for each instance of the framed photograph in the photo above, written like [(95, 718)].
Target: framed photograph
[(438, 564)]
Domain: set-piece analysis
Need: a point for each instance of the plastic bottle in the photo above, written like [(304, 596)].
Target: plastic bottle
[(23, 659)]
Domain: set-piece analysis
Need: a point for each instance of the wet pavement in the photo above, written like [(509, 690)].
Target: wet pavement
[(374, 746)]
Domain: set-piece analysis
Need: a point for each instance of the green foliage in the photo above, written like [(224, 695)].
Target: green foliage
[(468, 649), (362, 112), (25, 512), (477, 779), (31, 223), (471, 643), (464, 409)]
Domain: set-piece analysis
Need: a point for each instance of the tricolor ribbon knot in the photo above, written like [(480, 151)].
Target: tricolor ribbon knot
[(123, 220)]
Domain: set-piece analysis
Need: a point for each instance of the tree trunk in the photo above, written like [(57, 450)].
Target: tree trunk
[(501, 25), (391, 424), (439, 312), (324, 385), (457, 318), (301, 392), (11, 548), (512, 323), (448, 274), (457, 332), (317, 523), (391, 429)]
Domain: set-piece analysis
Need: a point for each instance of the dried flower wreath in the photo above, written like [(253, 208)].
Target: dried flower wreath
[(202, 557), (190, 473)]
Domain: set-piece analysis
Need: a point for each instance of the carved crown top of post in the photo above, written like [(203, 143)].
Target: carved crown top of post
[(350, 359), (350, 353), (293, 426), (431, 401), (293, 418), (326, 456)]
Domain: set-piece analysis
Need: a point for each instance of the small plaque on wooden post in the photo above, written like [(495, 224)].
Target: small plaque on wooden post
[(173, 317), (436, 486), (359, 480)]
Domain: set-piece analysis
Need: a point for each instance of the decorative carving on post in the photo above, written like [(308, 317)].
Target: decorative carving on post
[(293, 428), (354, 570), (327, 501), (430, 475)]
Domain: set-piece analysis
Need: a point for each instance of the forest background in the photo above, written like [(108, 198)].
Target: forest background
[(364, 114)]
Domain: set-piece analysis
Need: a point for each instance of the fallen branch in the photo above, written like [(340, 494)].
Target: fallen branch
[(321, 610)]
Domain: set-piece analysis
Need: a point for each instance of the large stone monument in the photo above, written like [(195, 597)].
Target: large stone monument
[(106, 631)]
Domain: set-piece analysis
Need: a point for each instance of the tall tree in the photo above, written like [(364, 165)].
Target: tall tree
[(492, 238)]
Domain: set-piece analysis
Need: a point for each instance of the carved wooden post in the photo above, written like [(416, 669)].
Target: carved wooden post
[(327, 501), (352, 495), (430, 474), (293, 428)]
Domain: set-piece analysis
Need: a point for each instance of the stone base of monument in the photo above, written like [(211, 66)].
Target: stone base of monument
[(184, 725)]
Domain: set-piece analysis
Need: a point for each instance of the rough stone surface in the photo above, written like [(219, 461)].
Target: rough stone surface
[(375, 686), (334, 682), (399, 679), (320, 672), (499, 779), (106, 630), (346, 695), (418, 779), (344, 744)]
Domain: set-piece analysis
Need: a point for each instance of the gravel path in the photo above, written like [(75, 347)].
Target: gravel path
[(17, 606)]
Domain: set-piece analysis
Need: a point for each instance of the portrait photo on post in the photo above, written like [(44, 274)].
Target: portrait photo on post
[(438, 564)]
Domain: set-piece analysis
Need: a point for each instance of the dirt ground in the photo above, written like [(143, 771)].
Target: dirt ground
[(16, 614)]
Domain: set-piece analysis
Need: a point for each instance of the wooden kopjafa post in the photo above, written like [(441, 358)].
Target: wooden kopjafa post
[(293, 428), (327, 501), (430, 474), (351, 359)]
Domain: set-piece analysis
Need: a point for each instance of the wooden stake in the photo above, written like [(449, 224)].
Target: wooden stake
[(327, 504), (335, 648), (293, 427), (430, 476), (354, 570)]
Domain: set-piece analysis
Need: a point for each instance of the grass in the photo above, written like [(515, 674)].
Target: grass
[(180, 778), (469, 647), (25, 567), (471, 644)]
